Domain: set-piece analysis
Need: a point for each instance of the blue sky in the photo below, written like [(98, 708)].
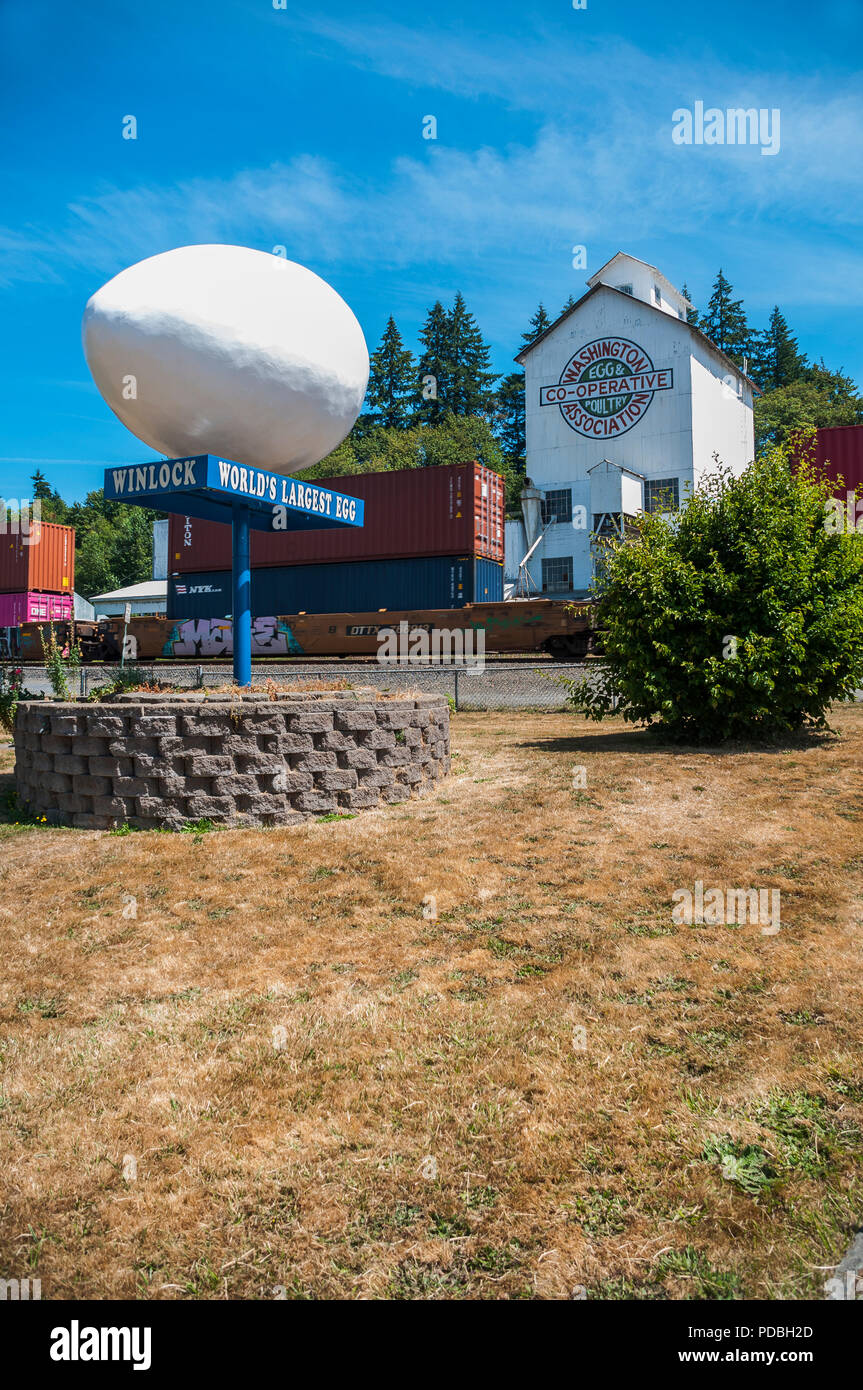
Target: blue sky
[(302, 127)]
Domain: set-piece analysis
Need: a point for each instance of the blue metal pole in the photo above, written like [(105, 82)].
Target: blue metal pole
[(242, 596)]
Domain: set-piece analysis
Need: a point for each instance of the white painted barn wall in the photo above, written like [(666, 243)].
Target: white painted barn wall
[(722, 420), (659, 445), (708, 409)]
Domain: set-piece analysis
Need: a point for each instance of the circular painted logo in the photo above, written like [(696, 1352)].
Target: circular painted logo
[(606, 387)]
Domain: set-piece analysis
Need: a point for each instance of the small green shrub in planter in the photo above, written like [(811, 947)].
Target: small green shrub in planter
[(740, 616), (11, 691), (62, 665)]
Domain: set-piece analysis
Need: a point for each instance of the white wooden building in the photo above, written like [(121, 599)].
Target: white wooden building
[(625, 406)]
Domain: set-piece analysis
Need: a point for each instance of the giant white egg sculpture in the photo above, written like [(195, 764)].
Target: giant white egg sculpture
[(226, 350)]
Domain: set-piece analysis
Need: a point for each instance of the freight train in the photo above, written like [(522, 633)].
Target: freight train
[(562, 630), (433, 538)]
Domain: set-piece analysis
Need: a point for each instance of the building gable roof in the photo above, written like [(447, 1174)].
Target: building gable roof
[(621, 467), (595, 279), (150, 588), (690, 327)]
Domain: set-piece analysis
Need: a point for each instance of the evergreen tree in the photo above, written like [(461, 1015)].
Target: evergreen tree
[(691, 314), (570, 304), (392, 378), (538, 324), (470, 359), (725, 321), (509, 420), (431, 395), (839, 389), (52, 506), (40, 485), (510, 410), (776, 358)]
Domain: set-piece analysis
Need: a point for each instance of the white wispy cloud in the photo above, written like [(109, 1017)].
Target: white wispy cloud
[(602, 169), (626, 95), (531, 71)]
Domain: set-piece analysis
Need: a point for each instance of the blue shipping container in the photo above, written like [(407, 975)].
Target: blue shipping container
[(354, 586)]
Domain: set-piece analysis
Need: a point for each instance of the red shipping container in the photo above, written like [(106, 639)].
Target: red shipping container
[(43, 561), (34, 608), (839, 451), (456, 509)]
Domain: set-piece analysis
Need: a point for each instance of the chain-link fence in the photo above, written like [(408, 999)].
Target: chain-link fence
[(496, 685)]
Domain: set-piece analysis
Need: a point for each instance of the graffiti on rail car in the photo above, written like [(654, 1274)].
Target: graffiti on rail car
[(215, 637)]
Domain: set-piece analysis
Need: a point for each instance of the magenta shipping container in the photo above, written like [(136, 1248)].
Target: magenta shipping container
[(453, 510), (34, 608)]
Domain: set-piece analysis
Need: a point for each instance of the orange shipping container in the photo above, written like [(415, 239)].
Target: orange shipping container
[(453, 509), (44, 559)]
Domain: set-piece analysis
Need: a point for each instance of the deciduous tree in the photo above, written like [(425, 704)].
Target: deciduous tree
[(741, 618)]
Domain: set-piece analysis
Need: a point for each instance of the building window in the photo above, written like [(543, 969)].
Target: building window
[(625, 289), (557, 574), (557, 505), (661, 495), (606, 525), (657, 295)]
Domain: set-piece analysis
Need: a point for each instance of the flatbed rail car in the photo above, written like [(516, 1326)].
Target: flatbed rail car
[(562, 630)]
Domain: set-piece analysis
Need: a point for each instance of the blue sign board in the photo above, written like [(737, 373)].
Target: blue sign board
[(216, 489), (209, 487)]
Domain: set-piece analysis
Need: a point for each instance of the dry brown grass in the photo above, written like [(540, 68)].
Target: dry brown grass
[(328, 1092)]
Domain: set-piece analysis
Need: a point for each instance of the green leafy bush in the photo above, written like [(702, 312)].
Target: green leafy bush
[(740, 616)]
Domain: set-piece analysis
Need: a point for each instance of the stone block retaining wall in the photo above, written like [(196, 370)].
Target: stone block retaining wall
[(162, 760)]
